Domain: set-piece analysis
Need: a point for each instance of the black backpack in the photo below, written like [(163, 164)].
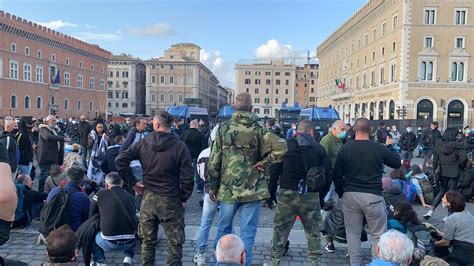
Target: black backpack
[(55, 213), (423, 242), (315, 176)]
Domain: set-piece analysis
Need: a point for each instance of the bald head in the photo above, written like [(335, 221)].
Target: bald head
[(230, 249), (10, 125), (194, 124), (362, 128), (83, 118)]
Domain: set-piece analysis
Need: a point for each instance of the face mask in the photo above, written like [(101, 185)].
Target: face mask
[(444, 205), (394, 129), (467, 131), (408, 129), (341, 135)]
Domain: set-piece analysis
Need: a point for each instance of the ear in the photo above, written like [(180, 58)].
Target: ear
[(243, 258)]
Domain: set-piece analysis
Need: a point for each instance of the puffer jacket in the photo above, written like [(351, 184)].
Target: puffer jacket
[(449, 156)]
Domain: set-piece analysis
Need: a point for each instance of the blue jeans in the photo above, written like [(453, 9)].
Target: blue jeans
[(249, 215), (25, 169), (101, 245), (209, 210), (197, 178), (43, 175)]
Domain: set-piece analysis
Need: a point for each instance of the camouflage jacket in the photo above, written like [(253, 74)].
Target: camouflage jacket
[(241, 143)]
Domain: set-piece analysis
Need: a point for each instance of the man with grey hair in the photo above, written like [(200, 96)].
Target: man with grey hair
[(167, 185), (394, 248), (230, 251), (49, 148), (118, 222)]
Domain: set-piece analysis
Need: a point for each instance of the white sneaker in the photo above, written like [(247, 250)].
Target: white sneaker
[(200, 259), (127, 261), (428, 214)]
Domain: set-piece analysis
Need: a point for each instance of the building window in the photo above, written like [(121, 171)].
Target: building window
[(266, 111), (117, 105), (171, 96), (277, 82), (109, 105), (257, 82), (53, 58), (393, 70), (91, 83), (384, 28), (39, 103), (267, 91), (27, 72), (247, 90), (66, 61), (180, 98), (277, 73), (117, 74), (429, 42), (256, 110), (257, 73), (13, 102), (459, 42), (91, 105), (80, 82), (268, 82), (257, 91), (110, 95), (124, 105), (286, 91), (92, 67), (426, 70), (111, 74), (67, 79), (125, 84), (162, 98), (383, 51), (276, 91), (257, 100), (124, 74), (247, 73), (80, 64), (102, 84), (372, 78), (366, 39), (430, 16), (247, 81), (287, 82), (27, 102), (27, 50), (287, 74), (13, 47), (39, 54), (13, 69), (171, 66), (457, 71), (124, 95), (394, 22), (53, 100), (66, 104), (276, 100), (374, 34), (460, 16), (393, 46), (267, 73)]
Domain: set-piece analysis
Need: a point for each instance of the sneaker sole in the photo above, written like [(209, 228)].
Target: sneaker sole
[(330, 250)]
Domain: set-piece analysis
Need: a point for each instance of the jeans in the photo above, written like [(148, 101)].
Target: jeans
[(209, 210), (197, 178), (137, 172), (85, 156), (43, 175), (249, 215), (25, 169), (101, 245)]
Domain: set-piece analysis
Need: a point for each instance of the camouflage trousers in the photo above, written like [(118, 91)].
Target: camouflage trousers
[(169, 212), (306, 206)]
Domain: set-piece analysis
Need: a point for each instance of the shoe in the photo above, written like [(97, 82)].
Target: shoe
[(428, 214), (127, 261), (330, 248), (445, 218), (200, 259), (199, 191)]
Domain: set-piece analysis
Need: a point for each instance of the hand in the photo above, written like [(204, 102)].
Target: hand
[(427, 206), (212, 195), (389, 141), (34, 146), (139, 188), (184, 205), (259, 166)]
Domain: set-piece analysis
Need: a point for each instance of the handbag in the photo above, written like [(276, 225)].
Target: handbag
[(315, 176)]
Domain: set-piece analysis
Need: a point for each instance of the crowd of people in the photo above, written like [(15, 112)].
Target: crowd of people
[(104, 187)]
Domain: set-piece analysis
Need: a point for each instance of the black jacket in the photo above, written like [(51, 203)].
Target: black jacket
[(382, 134), (195, 141), (113, 219), (166, 163), (292, 167), (359, 166), (86, 235), (25, 141), (408, 141), (430, 137), (49, 146), (110, 155), (449, 158), (9, 141), (466, 184), (84, 130)]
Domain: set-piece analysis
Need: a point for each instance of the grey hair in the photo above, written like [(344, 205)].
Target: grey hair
[(395, 247), (335, 124), (229, 249), (114, 179), (50, 117), (164, 118)]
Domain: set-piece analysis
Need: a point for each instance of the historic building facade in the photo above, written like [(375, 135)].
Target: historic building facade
[(402, 59)]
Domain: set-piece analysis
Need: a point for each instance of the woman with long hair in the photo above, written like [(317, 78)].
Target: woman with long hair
[(98, 139)]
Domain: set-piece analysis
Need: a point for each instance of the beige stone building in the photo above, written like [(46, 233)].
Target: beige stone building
[(178, 78), (306, 85), (402, 54), (269, 84), (126, 85)]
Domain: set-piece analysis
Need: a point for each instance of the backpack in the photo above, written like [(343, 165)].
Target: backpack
[(423, 242), (408, 189), (55, 213), (425, 185), (19, 212), (315, 177)]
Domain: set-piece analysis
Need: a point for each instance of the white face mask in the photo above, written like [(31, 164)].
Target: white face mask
[(408, 129), (444, 205)]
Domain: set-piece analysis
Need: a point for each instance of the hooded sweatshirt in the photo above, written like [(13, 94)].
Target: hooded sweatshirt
[(449, 156), (166, 163)]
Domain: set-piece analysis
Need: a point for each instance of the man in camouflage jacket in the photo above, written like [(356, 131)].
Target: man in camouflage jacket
[(239, 155)]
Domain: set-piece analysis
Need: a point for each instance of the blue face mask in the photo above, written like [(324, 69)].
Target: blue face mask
[(468, 131), (341, 135)]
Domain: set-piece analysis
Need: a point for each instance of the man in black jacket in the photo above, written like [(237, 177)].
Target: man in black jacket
[(167, 185), (408, 144), (25, 144), (8, 138), (294, 199), (84, 130), (118, 223), (358, 180), (196, 142), (429, 138)]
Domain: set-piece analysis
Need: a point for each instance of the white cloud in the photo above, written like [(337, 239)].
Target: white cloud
[(92, 36), (216, 63), (159, 29), (274, 49), (57, 24), (88, 26), (118, 32)]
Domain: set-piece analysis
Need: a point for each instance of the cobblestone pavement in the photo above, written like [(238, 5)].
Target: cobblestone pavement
[(22, 242)]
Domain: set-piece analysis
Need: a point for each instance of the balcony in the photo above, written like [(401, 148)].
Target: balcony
[(344, 95)]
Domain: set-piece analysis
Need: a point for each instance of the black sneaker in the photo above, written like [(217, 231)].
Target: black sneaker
[(330, 248)]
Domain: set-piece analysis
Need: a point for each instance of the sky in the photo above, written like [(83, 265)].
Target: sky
[(228, 31)]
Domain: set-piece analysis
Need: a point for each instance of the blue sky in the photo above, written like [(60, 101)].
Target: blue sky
[(227, 30)]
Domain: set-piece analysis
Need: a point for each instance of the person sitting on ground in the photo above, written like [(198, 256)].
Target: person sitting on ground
[(403, 216), (79, 203), (466, 184), (61, 246), (230, 251), (398, 180), (118, 222), (54, 179), (394, 248), (420, 180), (30, 202), (458, 230)]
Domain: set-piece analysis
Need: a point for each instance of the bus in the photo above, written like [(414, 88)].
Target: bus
[(322, 117), (188, 113)]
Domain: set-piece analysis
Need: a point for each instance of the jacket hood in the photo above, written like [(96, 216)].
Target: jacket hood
[(305, 140), (162, 141), (450, 134), (245, 118), (24, 122), (451, 147)]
